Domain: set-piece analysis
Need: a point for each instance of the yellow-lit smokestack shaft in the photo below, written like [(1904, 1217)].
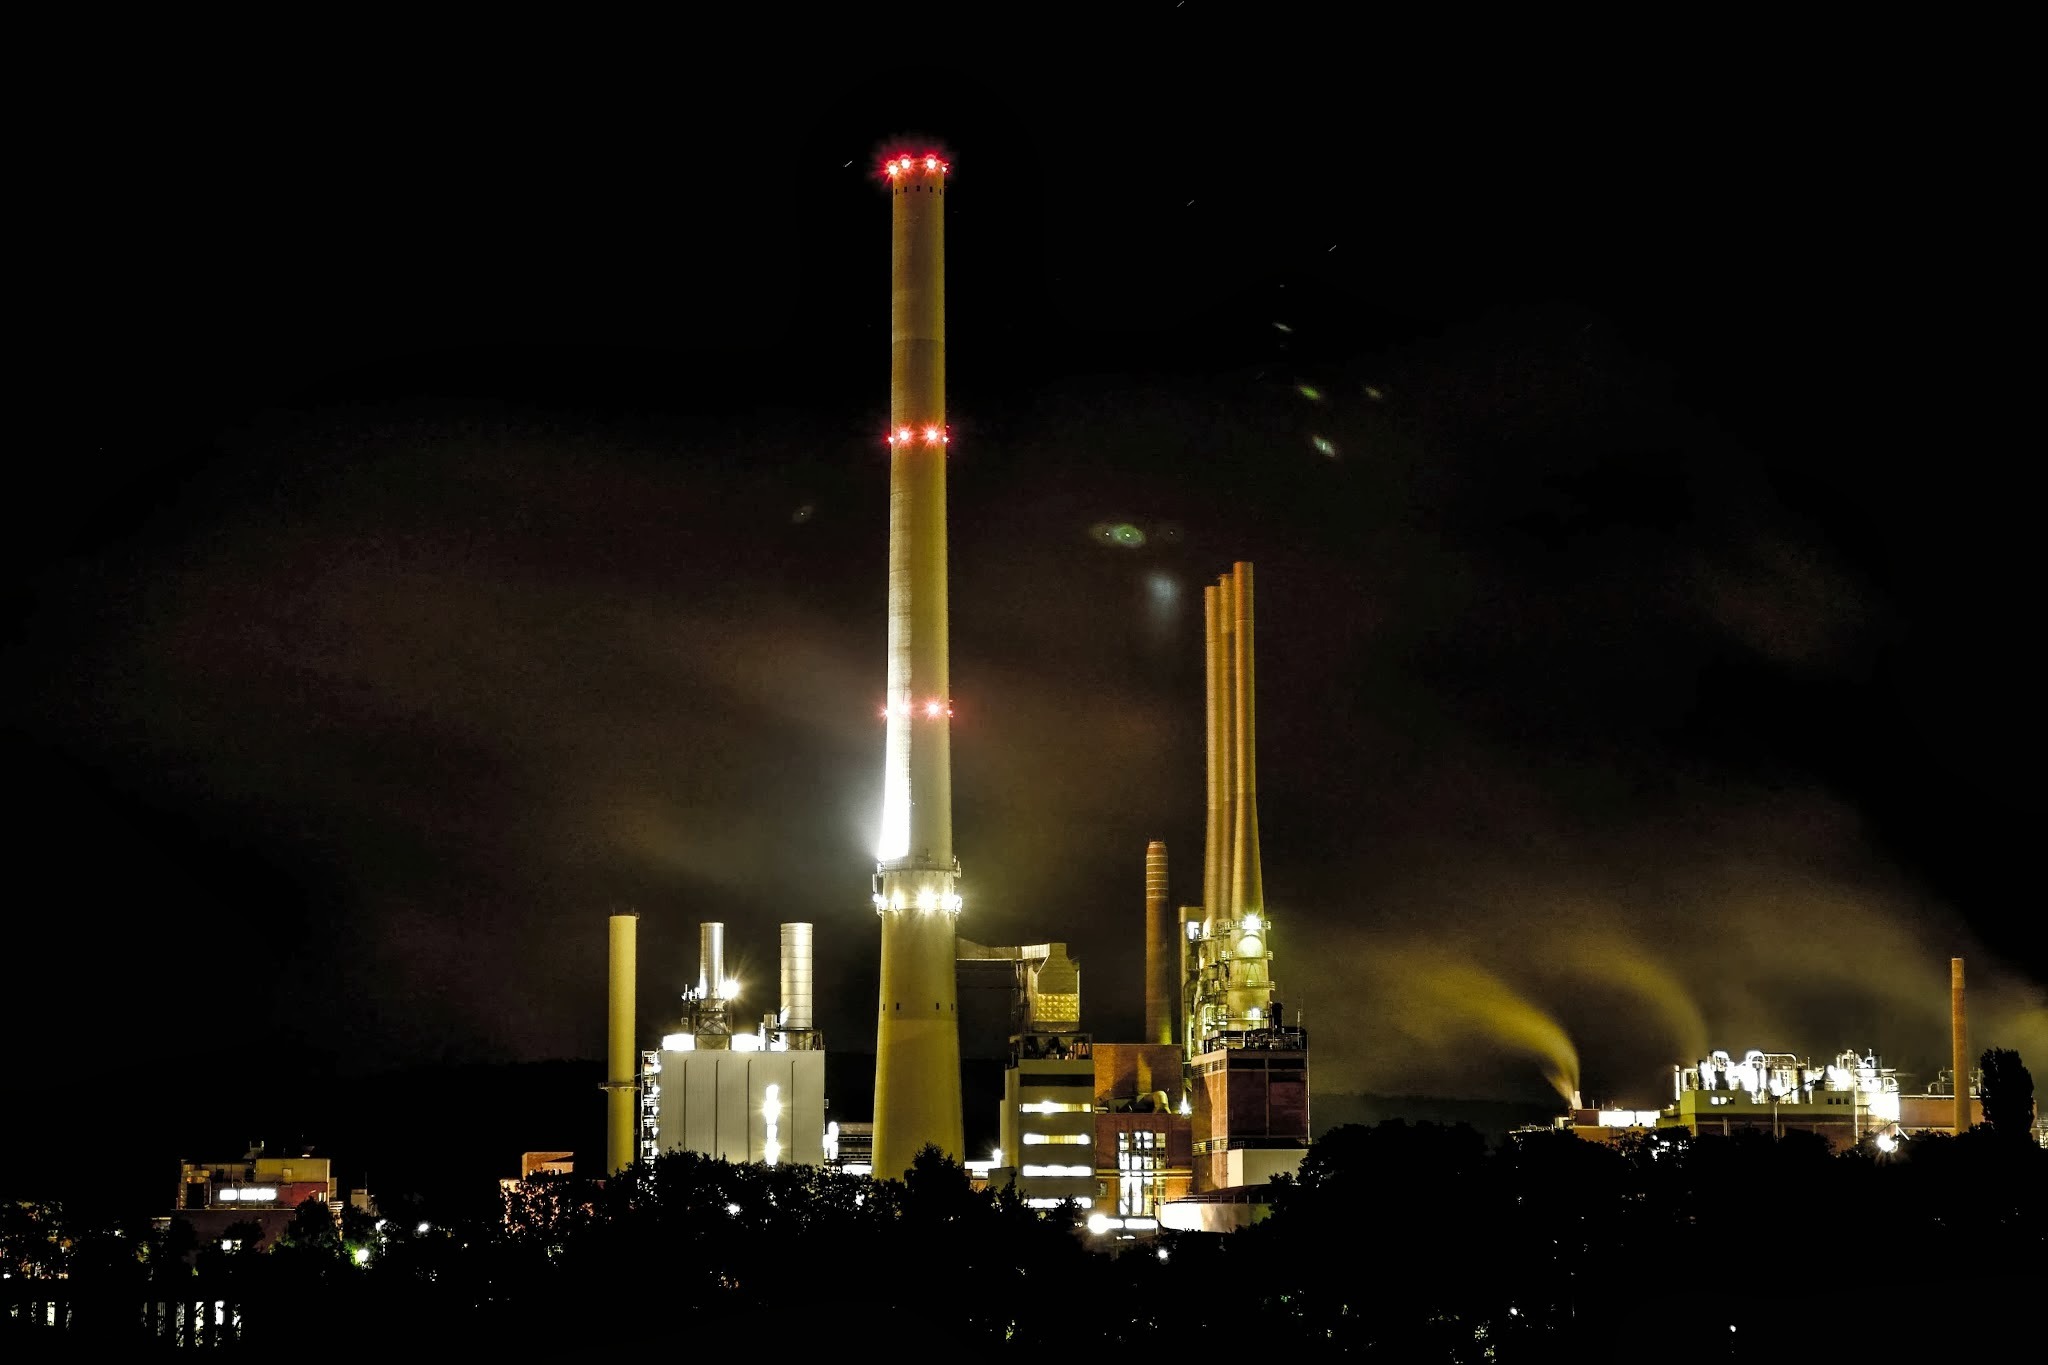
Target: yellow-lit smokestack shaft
[(1222, 766), (1160, 952), (619, 1094), (917, 1039), (1247, 886), (1959, 1043)]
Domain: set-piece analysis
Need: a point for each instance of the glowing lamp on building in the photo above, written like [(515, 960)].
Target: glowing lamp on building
[(771, 1121)]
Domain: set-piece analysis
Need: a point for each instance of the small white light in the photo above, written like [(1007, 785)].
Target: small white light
[(423, 1229), (362, 1255), (733, 1209)]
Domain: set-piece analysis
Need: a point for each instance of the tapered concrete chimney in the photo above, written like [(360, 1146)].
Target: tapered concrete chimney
[(1959, 1044), (1161, 953), (1222, 765), (916, 883), (1247, 886)]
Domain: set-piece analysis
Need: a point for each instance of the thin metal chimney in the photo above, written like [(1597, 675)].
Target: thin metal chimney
[(710, 960), (1959, 1044), (796, 978), (1160, 955), (621, 1089)]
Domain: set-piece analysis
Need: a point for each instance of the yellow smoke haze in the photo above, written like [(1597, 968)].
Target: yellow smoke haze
[(1443, 1004)]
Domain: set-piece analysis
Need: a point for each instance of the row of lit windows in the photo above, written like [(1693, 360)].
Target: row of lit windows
[(1058, 1139), (1053, 1107)]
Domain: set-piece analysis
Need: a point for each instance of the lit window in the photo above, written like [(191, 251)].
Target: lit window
[(1056, 1139)]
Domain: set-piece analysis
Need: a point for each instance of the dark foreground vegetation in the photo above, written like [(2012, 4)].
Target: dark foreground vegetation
[(1399, 1242)]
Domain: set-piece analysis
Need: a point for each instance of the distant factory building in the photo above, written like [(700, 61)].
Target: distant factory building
[(1845, 1102), (214, 1196)]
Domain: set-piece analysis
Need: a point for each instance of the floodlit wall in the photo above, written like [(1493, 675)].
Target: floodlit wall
[(718, 1102)]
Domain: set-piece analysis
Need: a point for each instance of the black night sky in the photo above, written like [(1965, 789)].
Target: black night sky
[(457, 506)]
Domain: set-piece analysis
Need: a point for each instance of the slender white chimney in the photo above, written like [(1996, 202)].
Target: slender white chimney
[(796, 977), (710, 959)]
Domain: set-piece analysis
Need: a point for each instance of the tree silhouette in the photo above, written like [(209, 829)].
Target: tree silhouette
[(2007, 1089)]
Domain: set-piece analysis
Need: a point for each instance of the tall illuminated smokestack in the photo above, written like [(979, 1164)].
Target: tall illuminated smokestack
[(1226, 979), (1222, 722), (1959, 1043), (1247, 885), (917, 1038), (1161, 953), (620, 1089)]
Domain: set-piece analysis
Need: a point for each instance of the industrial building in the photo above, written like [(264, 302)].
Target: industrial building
[(1845, 1102), (1046, 1148), (734, 1093), (214, 1196), (1248, 1069)]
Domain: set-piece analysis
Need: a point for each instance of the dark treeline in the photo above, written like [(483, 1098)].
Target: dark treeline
[(1396, 1241)]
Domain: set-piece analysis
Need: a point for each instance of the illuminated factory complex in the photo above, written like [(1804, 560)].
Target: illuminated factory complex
[(1179, 1128)]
